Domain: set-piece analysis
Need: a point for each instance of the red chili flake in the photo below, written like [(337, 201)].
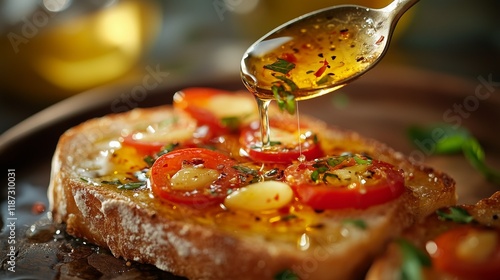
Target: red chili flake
[(380, 40), (38, 208), (277, 197), (290, 57), (322, 69)]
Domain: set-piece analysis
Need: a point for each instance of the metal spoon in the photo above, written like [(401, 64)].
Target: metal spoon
[(320, 52)]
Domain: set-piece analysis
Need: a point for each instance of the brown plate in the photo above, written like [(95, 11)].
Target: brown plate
[(381, 105)]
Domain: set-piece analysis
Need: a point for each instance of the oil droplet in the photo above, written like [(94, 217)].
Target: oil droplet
[(301, 158)]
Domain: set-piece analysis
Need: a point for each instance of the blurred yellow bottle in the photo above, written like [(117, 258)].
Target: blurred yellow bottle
[(49, 58)]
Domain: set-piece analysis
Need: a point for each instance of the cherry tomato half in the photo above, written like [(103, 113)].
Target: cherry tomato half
[(164, 129), (347, 181), (448, 257), (144, 148), (210, 192), (222, 111), (284, 144)]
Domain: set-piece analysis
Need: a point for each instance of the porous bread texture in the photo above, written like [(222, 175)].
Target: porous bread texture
[(145, 230), (486, 212)]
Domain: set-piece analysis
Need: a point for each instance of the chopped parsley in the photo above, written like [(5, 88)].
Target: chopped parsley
[(455, 214)]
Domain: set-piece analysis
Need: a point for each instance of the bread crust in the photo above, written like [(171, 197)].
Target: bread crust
[(388, 265), (145, 229)]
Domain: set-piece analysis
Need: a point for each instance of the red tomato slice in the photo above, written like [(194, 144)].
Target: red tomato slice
[(144, 148), (447, 259), (213, 192), (284, 144), (348, 181), (222, 111), (164, 129)]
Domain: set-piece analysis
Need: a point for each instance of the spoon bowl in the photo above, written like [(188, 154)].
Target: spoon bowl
[(320, 52)]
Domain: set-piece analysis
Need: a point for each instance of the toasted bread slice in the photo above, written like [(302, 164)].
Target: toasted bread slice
[(216, 243), (485, 214)]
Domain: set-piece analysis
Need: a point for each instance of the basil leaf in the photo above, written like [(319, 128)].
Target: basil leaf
[(413, 260)]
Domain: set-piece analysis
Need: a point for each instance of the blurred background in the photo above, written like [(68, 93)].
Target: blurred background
[(53, 49)]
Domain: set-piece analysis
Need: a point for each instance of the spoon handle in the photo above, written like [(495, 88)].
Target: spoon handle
[(398, 7)]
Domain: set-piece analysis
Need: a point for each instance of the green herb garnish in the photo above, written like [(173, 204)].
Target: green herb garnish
[(361, 224), (85, 180), (362, 161), (455, 214), (475, 155), (448, 139), (231, 122), (291, 84), (288, 217), (283, 89), (126, 186), (325, 79), (284, 98), (132, 186), (334, 161), (413, 260), (150, 160), (114, 182), (439, 139), (286, 275), (281, 66), (246, 170)]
